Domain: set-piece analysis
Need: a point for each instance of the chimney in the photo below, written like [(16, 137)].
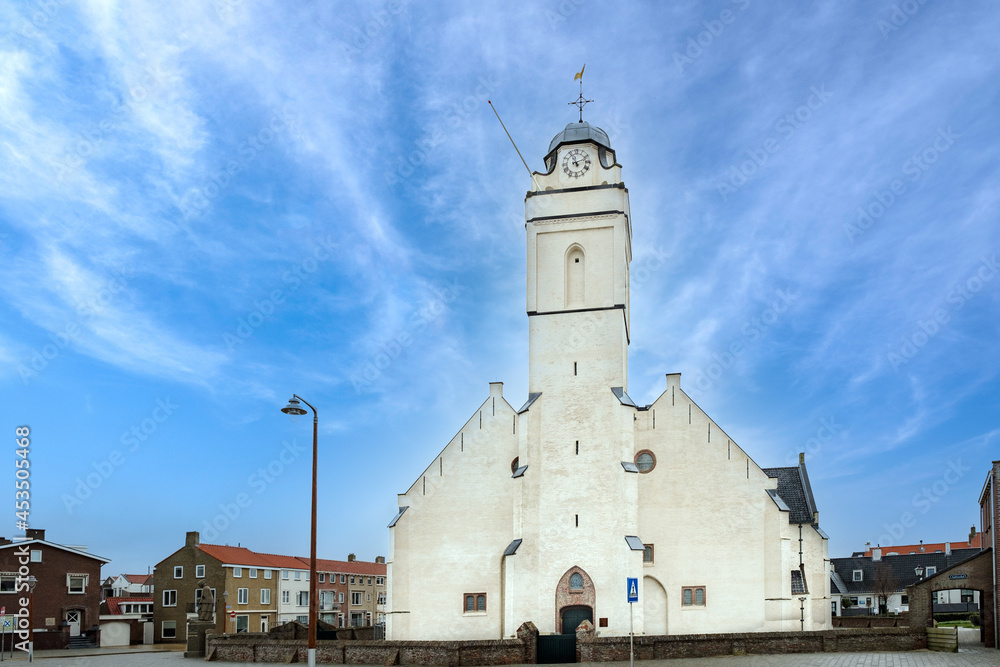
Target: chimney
[(921, 546), (876, 555), (496, 389), (34, 534), (947, 548), (193, 539), (972, 535), (802, 458), (380, 560), (350, 558)]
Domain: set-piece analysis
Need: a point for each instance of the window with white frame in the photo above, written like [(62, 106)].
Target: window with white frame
[(379, 581), (169, 598), (253, 573), (36, 555), (267, 574), (168, 630), (859, 575), (178, 571), (352, 578), (284, 574), (265, 596), (302, 599), (343, 578), (369, 581), (199, 571), (285, 596), (356, 598), (242, 596), (931, 569), (243, 623), (238, 572), (76, 583), (340, 598), (322, 578), (369, 597), (8, 582), (381, 598), (298, 576)]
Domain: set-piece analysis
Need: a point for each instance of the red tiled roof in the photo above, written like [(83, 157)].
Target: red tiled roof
[(245, 557), (139, 578), (113, 603), (930, 547)]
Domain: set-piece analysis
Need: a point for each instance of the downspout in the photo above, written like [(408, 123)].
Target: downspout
[(503, 605)]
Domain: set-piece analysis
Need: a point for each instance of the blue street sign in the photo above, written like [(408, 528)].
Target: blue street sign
[(633, 589)]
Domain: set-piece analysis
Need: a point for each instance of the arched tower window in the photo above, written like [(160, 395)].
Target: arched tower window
[(575, 274), (576, 582)]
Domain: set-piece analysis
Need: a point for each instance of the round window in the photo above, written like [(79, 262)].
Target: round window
[(645, 461)]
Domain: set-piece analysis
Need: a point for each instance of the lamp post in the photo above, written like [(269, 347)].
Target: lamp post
[(32, 582), (225, 612), (294, 410)]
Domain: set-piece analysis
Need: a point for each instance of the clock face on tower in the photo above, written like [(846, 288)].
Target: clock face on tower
[(576, 163)]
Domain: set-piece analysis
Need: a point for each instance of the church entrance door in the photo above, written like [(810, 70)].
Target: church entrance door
[(574, 616)]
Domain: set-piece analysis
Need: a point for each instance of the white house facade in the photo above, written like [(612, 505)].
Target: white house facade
[(543, 513)]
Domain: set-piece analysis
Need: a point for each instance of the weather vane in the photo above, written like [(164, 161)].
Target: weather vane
[(581, 101)]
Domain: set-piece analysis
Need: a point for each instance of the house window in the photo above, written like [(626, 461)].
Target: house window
[(693, 596), (36, 555), (76, 582), (322, 578), (302, 598), (169, 598), (253, 573), (381, 598), (199, 571), (369, 598), (304, 620), (284, 574), (7, 583), (178, 571), (265, 596), (369, 581), (242, 596), (285, 596), (356, 598), (343, 578), (645, 461), (267, 574), (238, 572), (474, 602), (854, 601), (243, 623), (298, 575), (905, 599), (647, 553), (576, 582), (931, 569), (859, 575), (352, 578), (380, 581), (340, 599), (168, 630)]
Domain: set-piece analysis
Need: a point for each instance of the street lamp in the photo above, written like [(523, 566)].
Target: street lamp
[(32, 582), (295, 410), (225, 612), (919, 570)]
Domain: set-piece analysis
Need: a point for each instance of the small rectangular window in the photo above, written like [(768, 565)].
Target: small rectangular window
[(36, 555), (285, 595), (859, 575), (693, 596), (253, 573), (343, 578), (647, 553), (242, 596), (352, 579), (8, 583), (169, 598), (474, 602), (298, 576), (931, 569), (178, 572), (238, 572), (284, 574), (322, 578), (77, 583), (267, 574), (168, 630), (302, 598), (199, 571)]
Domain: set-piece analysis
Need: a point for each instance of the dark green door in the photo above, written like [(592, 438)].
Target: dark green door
[(574, 616)]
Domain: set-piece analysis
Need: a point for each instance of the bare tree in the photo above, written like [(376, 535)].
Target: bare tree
[(885, 585)]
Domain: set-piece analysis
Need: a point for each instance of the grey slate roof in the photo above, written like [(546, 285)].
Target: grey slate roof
[(903, 567), (838, 585), (532, 397), (580, 132), (623, 397), (793, 487)]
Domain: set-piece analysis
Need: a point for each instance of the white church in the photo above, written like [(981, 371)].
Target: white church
[(543, 512)]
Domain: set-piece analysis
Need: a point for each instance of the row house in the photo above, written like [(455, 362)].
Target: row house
[(258, 590)]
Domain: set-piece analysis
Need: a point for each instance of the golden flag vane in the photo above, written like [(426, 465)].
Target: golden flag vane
[(580, 101)]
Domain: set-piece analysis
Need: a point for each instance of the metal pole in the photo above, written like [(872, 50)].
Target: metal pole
[(313, 617), (631, 637), (31, 626)]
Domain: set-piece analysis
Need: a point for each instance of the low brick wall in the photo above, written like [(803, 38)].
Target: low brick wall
[(257, 647), (609, 649), (871, 622)]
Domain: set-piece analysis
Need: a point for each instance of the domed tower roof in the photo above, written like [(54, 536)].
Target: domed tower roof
[(575, 132)]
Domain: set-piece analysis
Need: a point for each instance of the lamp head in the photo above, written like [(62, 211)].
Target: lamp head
[(294, 409)]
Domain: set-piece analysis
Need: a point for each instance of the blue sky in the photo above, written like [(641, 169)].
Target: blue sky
[(208, 206)]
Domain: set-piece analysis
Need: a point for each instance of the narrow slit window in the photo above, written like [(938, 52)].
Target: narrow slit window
[(574, 368), (577, 447), (577, 519)]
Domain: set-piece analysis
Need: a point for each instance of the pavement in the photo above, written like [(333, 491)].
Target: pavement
[(971, 653)]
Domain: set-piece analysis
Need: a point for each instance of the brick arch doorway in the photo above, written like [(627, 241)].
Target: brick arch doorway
[(974, 574), (575, 591)]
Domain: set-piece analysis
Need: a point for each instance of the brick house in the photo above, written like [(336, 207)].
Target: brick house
[(351, 592), (67, 596)]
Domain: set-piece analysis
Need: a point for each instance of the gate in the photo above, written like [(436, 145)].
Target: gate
[(554, 649)]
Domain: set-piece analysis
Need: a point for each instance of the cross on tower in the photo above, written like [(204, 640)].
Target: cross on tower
[(580, 102)]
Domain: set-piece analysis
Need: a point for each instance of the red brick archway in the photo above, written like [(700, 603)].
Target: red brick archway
[(974, 574), (585, 596)]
